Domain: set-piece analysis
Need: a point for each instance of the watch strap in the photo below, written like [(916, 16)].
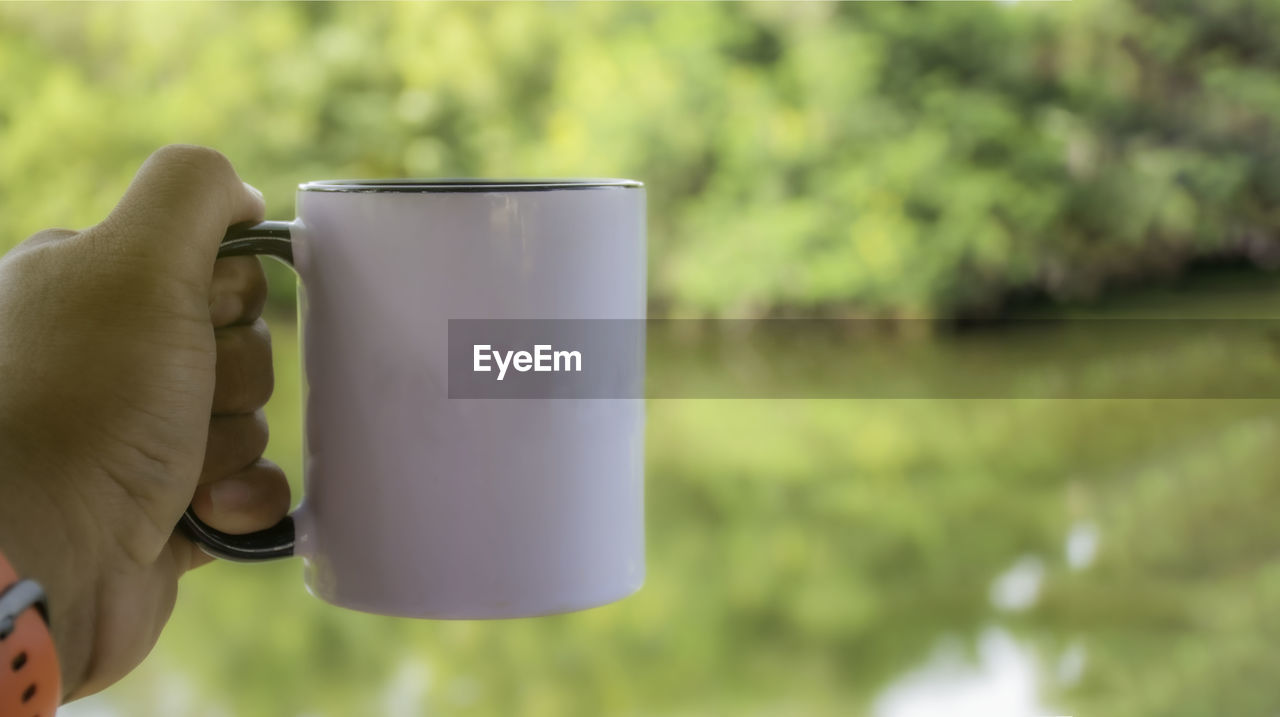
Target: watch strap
[(30, 685)]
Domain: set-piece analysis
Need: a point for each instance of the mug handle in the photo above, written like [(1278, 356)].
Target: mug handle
[(272, 238)]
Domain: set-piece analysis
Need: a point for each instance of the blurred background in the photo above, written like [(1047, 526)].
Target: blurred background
[(892, 558)]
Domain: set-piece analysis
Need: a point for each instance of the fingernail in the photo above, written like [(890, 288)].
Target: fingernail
[(231, 494), (225, 309), (253, 189)]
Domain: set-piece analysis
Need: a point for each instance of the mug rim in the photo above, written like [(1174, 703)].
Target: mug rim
[(462, 184)]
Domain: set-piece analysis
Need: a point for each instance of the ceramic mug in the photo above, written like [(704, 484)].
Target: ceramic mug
[(420, 505)]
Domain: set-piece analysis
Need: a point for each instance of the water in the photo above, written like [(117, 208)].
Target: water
[(880, 557)]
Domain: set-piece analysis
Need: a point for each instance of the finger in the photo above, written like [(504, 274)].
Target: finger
[(40, 238), (179, 206), (243, 377), (252, 499), (234, 442), (238, 291)]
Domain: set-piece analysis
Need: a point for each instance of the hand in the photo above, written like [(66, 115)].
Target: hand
[(132, 369)]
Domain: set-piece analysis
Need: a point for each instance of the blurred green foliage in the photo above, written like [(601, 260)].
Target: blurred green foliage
[(894, 158)]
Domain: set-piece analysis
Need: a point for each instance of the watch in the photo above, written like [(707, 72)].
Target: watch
[(30, 685)]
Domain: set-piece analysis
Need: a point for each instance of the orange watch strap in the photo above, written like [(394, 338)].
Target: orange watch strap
[(30, 685)]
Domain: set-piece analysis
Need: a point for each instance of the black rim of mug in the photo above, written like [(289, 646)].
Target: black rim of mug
[(464, 185)]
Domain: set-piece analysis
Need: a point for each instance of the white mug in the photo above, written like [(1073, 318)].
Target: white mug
[(420, 505)]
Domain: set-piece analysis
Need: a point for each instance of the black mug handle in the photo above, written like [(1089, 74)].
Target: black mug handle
[(271, 238)]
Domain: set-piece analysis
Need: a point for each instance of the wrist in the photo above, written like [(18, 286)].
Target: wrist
[(43, 546), (31, 683)]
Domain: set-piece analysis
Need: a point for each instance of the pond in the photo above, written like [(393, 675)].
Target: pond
[(957, 553)]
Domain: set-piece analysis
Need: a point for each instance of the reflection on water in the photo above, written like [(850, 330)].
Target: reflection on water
[(1082, 545), (809, 557), (1017, 588), (407, 689), (1006, 681), (1071, 664)]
